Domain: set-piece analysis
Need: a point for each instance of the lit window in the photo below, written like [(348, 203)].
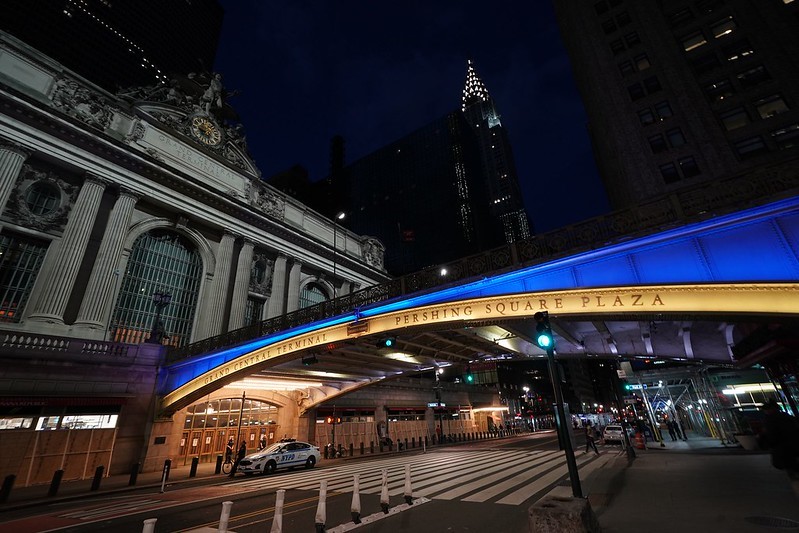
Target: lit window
[(771, 106), (734, 118), (693, 41), (675, 137), (719, 90), (723, 27), (787, 137), (642, 62), (738, 50), (754, 76)]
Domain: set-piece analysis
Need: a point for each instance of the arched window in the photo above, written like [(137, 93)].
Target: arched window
[(161, 262), (312, 294)]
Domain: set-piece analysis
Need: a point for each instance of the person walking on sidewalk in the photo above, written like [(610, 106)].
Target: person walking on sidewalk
[(781, 436), (589, 437), (670, 427), (677, 430)]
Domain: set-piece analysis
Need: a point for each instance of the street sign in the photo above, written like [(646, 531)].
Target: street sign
[(436, 404), (630, 401), (622, 374)]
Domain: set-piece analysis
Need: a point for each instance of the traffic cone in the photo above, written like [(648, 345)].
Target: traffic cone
[(384, 492), (408, 491), (355, 509)]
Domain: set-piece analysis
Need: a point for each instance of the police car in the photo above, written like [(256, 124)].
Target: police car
[(284, 454)]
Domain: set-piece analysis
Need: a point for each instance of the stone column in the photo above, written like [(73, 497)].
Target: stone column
[(98, 300), (61, 266), (242, 286), (293, 296), (276, 306), (12, 156), (216, 308)]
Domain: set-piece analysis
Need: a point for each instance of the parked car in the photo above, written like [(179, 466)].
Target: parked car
[(287, 454), (613, 433)]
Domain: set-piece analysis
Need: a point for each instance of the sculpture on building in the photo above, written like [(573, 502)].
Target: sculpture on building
[(373, 252)]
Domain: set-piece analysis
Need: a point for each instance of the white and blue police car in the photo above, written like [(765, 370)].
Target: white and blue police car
[(284, 454)]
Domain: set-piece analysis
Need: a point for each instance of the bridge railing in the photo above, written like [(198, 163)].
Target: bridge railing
[(688, 205)]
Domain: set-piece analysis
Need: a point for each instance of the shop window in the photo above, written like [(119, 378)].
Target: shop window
[(738, 50), (787, 137), (771, 106), (636, 91), (694, 40), (663, 110), (719, 90), (617, 46), (646, 117), (680, 17), (669, 173), (675, 137), (657, 143), (750, 147), (632, 39), (734, 118), (753, 76), (688, 167), (723, 27)]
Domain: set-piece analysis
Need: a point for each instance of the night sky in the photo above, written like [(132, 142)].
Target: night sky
[(374, 72)]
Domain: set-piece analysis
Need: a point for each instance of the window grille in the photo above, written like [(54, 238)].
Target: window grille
[(312, 294), (20, 261)]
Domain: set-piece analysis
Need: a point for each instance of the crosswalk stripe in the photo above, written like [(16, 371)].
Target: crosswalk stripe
[(528, 491)]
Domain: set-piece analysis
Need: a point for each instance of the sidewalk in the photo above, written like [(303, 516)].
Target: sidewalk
[(694, 485)]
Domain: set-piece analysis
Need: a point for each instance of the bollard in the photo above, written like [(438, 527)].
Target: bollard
[(8, 483), (408, 490), (321, 508), (406, 443), (355, 508), (134, 474), (193, 470), (352, 447), (413, 442), (425, 441), (384, 493), (371, 446), (98, 476), (381, 446), (340, 450), (224, 518), (326, 454), (149, 525), (167, 468), (277, 521), (57, 475), (218, 467), (361, 447)]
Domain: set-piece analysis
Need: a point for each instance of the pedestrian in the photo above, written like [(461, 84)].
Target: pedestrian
[(670, 427), (589, 438), (677, 430), (263, 442), (242, 452), (781, 436), (682, 430), (229, 450)]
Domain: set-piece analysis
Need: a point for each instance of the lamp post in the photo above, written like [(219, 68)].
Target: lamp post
[(341, 215), (161, 299)]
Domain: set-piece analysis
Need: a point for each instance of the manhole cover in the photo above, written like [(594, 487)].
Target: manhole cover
[(773, 521)]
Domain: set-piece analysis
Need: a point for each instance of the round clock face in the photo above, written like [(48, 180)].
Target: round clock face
[(205, 131)]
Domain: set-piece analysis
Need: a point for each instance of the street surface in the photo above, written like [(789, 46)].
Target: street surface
[(481, 486)]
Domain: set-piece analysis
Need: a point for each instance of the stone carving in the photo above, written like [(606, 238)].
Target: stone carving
[(79, 102), (268, 202), (40, 216), (261, 272), (373, 252), (136, 133)]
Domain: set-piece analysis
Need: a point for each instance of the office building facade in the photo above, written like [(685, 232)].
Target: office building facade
[(681, 93)]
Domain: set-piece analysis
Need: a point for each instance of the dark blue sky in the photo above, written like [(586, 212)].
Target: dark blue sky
[(374, 72)]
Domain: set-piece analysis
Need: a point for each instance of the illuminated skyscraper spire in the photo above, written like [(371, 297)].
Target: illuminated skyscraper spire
[(474, 90)]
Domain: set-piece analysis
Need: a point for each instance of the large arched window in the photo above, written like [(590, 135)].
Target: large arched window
[(312, 294), (161, 262)]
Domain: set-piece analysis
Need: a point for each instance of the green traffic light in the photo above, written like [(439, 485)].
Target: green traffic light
[(544, 340)]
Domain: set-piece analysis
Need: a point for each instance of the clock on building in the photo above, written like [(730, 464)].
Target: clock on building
[(205, 130)]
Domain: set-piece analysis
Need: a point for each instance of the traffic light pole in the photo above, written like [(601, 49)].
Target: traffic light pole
[(563, 426)]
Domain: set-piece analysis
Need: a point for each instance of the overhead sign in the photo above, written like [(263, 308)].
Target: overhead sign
[(436, 404), (637, 387)]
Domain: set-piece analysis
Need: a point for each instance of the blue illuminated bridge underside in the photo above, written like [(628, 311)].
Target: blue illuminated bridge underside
[(745, 263)]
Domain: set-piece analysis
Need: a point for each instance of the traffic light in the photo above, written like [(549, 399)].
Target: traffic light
[(543, 335), (333, 420), (627, 386), (388, 342), (469, 375), (329, 420)]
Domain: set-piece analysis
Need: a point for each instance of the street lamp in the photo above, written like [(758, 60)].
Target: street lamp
[(161, 300), (341, 215)]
